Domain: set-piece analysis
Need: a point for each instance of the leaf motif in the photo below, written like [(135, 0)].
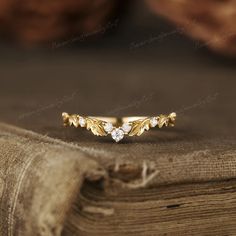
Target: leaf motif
[(172, 118), (73, 120), (139, 126), (163, 120), (96, 126), (65, 118)]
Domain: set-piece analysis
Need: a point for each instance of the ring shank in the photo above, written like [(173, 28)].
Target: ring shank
[(128, 119), (116, 120)]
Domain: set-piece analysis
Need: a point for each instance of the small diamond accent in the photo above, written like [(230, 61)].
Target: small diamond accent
[(126, 127), (153, 121), (108, 127), (117, 134), (82, 121)]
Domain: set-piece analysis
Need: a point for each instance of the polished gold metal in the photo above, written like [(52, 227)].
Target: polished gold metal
[(118, 127)]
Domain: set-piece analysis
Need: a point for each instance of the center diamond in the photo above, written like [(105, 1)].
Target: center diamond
[(117, 134)]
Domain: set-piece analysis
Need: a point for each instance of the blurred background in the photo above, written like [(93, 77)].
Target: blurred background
[(110, 57)]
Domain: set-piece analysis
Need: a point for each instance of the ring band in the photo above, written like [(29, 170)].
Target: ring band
[(118, 127)]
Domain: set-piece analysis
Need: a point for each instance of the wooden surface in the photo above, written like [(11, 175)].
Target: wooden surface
[(177, 181)]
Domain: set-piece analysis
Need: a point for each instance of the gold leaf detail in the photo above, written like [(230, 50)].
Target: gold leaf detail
[(96, 126), (172, 118), (73, 120), (163, 120), (65, 117), (139, 126)]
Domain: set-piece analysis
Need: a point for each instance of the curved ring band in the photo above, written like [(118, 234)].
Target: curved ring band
[(118, 127)]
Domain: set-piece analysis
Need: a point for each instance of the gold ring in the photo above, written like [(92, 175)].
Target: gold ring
[(118, 127)]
